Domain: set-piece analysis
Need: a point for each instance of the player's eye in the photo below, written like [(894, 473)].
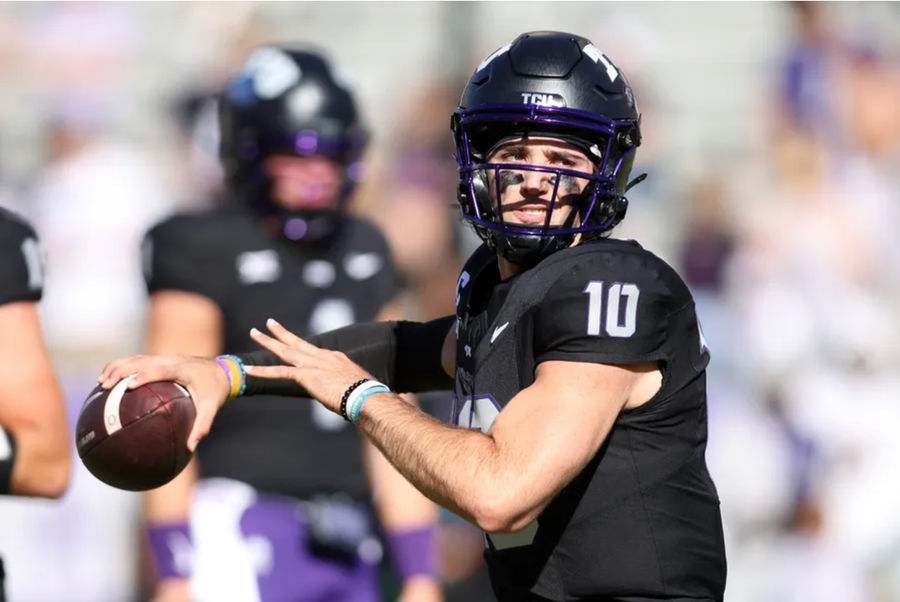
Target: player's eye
[(512, 155), (561, 160)]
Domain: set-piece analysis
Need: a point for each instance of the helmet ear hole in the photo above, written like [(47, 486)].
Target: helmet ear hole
[(483, 193), (473, 195), (619, 208), (463, 197)]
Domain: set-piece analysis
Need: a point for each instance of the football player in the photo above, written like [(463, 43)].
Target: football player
[(35, 455), (278, 490), (577, 359)]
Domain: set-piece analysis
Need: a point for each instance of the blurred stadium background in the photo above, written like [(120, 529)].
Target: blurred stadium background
[(772, 140)]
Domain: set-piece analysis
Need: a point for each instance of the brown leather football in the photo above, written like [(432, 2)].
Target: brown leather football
[(135, 439)]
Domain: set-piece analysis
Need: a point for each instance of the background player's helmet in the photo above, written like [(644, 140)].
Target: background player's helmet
[(290, 102), (550, 84)]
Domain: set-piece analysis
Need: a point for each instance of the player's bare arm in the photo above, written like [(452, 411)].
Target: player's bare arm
[(508, 475), (184, 321), (500, 480), (31, 406)]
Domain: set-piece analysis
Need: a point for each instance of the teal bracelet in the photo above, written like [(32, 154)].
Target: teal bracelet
[(355, 405)]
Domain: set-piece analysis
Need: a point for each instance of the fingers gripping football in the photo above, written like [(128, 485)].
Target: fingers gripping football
[(145, 369), (204, 379)]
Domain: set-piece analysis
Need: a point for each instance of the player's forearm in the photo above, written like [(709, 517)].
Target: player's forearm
[(43, 462), (398, 430), (407, 356), (462, 470), (32, 408)]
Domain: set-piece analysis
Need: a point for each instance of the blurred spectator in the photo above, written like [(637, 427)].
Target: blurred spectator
[(867, 174), (416, 210), (196, 156), (708, 240), (872, 85), (91, 204), (704, 254), (83, 50), (818, 329), (808, 77), (801, 245)]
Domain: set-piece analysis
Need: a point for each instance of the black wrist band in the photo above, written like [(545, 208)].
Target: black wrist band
[(347, 395)]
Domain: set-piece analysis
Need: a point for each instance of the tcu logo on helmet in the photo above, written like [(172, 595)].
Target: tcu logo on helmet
[(544, 100)]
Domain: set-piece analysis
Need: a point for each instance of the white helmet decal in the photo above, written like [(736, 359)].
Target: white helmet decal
[(594, 52), (272, 72)]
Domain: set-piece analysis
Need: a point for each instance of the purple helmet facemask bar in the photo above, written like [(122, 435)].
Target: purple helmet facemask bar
[(529, 117), (593, 180), (499, 189)]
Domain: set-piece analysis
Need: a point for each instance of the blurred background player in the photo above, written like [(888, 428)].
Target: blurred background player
[(34, 441), (278, 493)]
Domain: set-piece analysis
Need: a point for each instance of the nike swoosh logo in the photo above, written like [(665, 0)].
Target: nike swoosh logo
[(497, 331)]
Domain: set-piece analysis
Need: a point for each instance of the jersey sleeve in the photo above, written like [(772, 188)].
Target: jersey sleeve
[(182, 254), (21, 266), (613, 308)]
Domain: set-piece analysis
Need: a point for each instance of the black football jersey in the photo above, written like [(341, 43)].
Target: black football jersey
[(21, 269), (280, 445), (641, 521)]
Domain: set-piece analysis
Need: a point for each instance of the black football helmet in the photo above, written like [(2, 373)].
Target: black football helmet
[(546, 84), (288, 101)]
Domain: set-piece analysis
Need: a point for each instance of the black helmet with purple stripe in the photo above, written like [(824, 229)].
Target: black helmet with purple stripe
[(289, 101), (556, 85)]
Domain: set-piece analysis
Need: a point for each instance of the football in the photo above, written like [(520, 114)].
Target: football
[(135, 439)]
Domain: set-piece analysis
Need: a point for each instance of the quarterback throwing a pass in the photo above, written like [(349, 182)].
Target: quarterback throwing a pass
[(576, 359)]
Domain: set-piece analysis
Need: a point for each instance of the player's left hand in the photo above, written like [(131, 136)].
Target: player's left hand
[(324, 373)]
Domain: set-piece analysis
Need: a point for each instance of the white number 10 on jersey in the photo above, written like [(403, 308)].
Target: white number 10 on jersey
[(617, 325)]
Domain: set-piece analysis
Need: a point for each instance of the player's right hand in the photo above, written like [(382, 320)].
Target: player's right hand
[(204, 379)]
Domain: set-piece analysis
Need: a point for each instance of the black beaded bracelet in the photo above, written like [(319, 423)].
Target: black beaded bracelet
[(347, 395)]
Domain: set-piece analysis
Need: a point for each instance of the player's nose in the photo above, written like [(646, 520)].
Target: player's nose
[(536, 182)]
